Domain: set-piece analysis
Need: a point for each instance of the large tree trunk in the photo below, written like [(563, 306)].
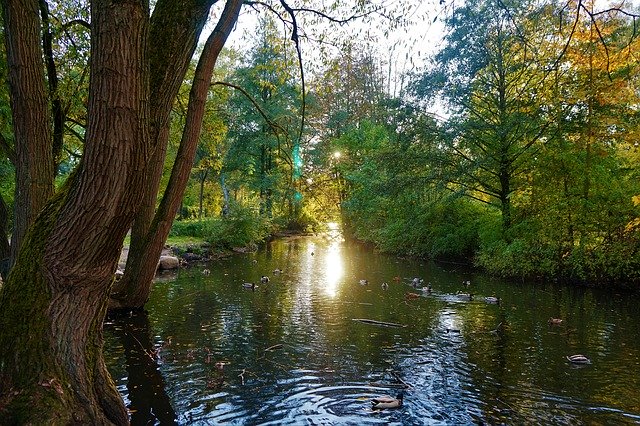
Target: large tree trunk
[(133, 290), (53, 304), (31, 119)]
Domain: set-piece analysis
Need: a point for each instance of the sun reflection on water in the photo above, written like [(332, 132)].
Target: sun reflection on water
[(333, 269)]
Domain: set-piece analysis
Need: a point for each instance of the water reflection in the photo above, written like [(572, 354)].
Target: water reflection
[(148, 401), (334, 269), (292, 354)]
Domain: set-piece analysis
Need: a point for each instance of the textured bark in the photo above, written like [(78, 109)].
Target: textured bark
[(133, 289), (174, 32), (5, 248), (53, 304), (30, 109)]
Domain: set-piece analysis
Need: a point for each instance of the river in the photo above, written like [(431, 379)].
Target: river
[(293, 351)]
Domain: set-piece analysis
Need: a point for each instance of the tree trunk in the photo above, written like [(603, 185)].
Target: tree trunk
[(225, 196), (31, 119), (53, 304), (133, 290), (175, 29), (5, 248), (203, 179)]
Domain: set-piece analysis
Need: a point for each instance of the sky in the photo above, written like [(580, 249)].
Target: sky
[(403, 48)]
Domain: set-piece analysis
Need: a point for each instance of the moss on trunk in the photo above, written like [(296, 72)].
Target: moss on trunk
[(43, 378)]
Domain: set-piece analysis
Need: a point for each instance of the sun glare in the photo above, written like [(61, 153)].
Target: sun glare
[(333, 269)]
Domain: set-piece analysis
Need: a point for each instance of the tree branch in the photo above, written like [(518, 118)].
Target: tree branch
[(296, 40), (275, 126)]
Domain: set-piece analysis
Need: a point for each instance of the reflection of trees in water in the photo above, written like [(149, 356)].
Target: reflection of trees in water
[(149, 401)]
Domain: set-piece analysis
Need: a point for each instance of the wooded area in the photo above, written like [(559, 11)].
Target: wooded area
[(515, 148)]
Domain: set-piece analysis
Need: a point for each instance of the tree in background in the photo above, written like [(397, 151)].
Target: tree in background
[(579, 207), (264, 154), (490, 79)]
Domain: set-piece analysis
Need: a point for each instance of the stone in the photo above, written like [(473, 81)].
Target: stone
[(168, 262)]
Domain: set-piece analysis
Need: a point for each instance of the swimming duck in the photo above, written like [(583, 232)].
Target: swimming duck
[(493, 300), (277, 271), (250, 286), (555, 321), (364, 282), (465, 296), (384, 402), (409, 295), (578, 359), (396, 279), (466, 283), (264, 279), (416, 282), (385, 286), (427, 289), (206, 272)]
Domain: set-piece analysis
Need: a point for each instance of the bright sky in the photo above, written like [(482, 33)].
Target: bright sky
[(405, 47)]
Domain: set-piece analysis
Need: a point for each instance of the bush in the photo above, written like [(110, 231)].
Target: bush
[(241, 228)]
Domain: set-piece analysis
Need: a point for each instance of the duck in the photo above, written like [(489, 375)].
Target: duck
[(555, 321), (277, 271), (493, 300), (466, 283), (364, 282), (385, 286), (384, 402), (427, 289), (206, 272), (250, 286), (465, 296), (397, 279), (416, 282), (410, 295), (264, 279), (578, 359)]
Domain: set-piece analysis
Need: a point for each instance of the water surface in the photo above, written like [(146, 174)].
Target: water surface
[(291, 352)]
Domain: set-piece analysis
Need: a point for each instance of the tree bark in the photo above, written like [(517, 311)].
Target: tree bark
[(133, 290), (31, 119), (5, 248), (53, 304), (174, 32)]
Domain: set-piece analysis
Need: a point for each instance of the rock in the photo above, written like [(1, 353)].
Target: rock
[(191, 257), (168, 262)]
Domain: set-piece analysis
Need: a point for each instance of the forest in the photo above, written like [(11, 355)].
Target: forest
[(513, 147)]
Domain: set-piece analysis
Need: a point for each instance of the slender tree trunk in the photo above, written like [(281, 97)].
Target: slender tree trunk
[(203, 179), (53, 304), (225, 196), (31, 119), (57, 112), (133, 290), (174, 32)]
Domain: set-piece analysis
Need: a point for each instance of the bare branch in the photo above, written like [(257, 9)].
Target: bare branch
[(296, 40), (336, 20), (80, 22), (573, 30), (275, 126)]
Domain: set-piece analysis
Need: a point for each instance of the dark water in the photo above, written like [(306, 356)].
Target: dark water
[(290, 352)]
